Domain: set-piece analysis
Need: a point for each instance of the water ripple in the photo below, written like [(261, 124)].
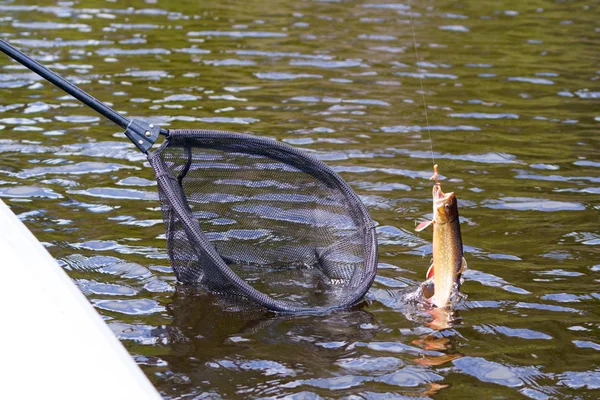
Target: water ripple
[(129, 307), (454, 28), (558, 178), (487, 371), (50, 25), (377, 37), (27, 192), (46, 44), (192, 50), (114, 193), (18, 121), (531, 204), (426, 75), (577, 380), (134, 26), (584, 344), (370, 364), (536, 81), (314, 99), (226, 120), (74, 169), (388, 6), (566, 297), (228, 62), (283, 76), (380, 186), (107, 289), (487, 158), (239, 34), (522, 333), (328, 64), (340, 80), (491, 280), (586, 94), (398, 347), (281, 54), (78, 119), (265, 367), (587, 163), (547, 307), (134, 181), (409, 377), (390, 235), (483, 115), (416, 128), (142, 334), (337, 383), (106, 51)]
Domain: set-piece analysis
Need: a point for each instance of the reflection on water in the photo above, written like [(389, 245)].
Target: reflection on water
[(512, 94)]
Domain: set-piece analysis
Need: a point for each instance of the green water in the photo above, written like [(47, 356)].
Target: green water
[(513, 102)]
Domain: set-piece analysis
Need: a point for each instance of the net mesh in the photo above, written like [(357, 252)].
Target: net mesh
[(257, 219)]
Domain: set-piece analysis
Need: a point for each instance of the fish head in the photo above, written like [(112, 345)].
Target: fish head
[(445, 206)]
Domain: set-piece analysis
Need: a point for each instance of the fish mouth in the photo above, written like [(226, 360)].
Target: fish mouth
[(440, 198)]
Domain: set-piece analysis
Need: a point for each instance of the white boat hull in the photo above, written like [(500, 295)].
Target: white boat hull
[(54, 344)]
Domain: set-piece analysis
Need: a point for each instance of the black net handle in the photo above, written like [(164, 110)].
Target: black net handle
[(146, 133)]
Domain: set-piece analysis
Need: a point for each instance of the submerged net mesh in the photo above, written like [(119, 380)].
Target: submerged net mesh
[(254, 218)]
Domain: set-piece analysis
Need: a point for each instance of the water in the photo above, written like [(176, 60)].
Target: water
[(512, 93)]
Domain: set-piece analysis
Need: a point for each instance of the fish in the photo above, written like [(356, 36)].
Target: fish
[(448, 262)]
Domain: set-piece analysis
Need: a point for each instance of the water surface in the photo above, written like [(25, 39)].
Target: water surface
[(512, 93)]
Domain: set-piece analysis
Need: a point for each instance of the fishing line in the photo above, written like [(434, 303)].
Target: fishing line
[(412, 26)]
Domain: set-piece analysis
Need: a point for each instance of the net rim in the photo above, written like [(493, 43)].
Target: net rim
[(169, 185)]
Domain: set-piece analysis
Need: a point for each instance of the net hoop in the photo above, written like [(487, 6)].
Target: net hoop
[(173, 198)]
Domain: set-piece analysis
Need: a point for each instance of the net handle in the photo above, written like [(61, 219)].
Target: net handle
[(87, 99)]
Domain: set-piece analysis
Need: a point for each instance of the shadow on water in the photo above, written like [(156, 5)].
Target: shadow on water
[(219, 343), (216, 345)]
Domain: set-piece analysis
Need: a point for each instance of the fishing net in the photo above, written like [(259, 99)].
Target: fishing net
[(250, 217), (259, 220)]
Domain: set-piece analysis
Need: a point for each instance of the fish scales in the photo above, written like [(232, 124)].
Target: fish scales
[(448, 261)]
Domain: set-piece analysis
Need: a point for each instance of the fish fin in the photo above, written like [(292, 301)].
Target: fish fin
[(423, 225), (463, 266), (430, 272)]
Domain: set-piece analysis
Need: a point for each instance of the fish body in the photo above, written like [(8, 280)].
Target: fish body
[(448, 262)]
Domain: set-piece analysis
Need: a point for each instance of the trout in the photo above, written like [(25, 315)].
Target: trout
[(448, 262)]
